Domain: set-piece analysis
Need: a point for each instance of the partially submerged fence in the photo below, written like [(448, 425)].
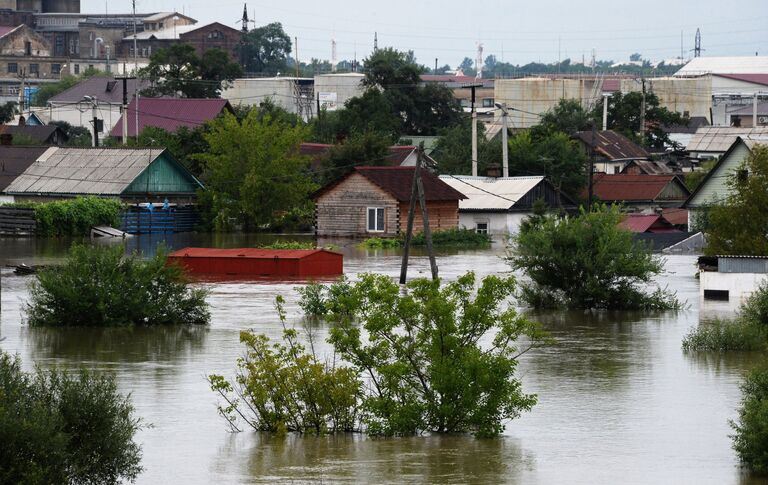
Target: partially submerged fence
[(17, 221)]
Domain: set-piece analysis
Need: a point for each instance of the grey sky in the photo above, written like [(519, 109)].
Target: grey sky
[(518, 31)]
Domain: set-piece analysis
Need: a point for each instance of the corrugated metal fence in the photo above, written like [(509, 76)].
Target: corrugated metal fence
[(138, 220), (742, 265)]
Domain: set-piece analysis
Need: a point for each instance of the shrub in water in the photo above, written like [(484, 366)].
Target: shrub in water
[(99, 286), (75, 217), (751, 438), (60, 428)]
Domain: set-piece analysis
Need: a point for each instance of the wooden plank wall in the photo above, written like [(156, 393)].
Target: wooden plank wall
[(17, 221), (442, 215), (342, 210)]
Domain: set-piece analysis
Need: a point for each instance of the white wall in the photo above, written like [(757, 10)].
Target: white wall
[(499, 223), (342, 87), (739, 285), (82, 114)]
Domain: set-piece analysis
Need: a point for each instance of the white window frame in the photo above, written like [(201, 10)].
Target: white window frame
[(368, 212), (481, 231)]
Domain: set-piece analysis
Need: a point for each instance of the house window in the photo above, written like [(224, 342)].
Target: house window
[(55, 69), (13, 68), (375, 219), (481, 227), (487, 102), (616, 169), (34, 69), (77, 68), (28, 48)]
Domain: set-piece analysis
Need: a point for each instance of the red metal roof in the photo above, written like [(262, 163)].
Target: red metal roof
[(612, 145), (750, 78), (6, 29), (397, 182), (627, 188), (253, 253), (678, 217), (171, 114), (317, 151), (639, 222)]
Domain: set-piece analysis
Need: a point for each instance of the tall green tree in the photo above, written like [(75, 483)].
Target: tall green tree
[(740, 225), (453, 150), (568, 117), (253, 170), (178, 71), (368, 149), (266, 50), (8, 111), (624, 117)]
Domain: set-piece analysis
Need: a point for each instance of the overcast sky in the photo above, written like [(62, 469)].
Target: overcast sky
[(517, 31)]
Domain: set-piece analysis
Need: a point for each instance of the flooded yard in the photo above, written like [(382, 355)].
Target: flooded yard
[(619, 401)]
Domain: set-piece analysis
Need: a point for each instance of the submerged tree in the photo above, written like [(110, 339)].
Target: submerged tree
[(58, 427), (587, 262), (751, 438), (422, 357)]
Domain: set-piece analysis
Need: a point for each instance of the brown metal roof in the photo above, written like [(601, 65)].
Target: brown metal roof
[(105, 89), (631, 188), (171, 114), (14, 160), (397, 181), (612, 145)]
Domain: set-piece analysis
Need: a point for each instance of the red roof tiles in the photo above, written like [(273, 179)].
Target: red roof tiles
[(171, 114)]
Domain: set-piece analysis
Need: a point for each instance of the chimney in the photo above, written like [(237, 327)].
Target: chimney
[(493, 170), (6, 139)]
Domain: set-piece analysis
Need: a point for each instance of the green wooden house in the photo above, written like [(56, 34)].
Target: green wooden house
[(133, 175)]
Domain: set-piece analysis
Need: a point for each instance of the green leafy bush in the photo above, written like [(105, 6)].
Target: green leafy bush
[(290, 245), (99, 286), (75, 217), (748, 331), (446, 238), (61, 428), (751, 438), (587, 262), (285, 388), (421, 355)]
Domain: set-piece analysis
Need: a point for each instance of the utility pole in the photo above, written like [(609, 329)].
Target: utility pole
[(642, 116), (591, 170), (605, 112), (136, 67), (472, 87), (125, 79), (23, 78), (296, 43), (417, 190), (754, 111), (697, 46), (504, 142), (95, 124)]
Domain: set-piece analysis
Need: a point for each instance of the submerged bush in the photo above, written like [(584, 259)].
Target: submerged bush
[(290, 245), (99, 286), (748, 331), (64, 429), (587, 261), (459, 237), (751, 438), (421, 356), (283, 387)]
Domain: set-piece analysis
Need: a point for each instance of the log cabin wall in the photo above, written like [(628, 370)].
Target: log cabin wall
[(442, 215)]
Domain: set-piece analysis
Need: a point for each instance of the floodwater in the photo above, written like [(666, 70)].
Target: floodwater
[(619, 401)]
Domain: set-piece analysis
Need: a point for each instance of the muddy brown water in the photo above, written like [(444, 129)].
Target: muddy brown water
[(619, 401)]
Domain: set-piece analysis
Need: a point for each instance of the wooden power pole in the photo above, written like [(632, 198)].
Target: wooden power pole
[(417, 191)]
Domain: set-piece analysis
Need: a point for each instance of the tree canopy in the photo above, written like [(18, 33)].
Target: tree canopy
[(266, 50), (740, 225), (253, 170), (178, 71)]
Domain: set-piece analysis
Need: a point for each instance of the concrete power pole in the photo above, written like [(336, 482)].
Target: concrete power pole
[(642, 116), (754, 111), (605, 112), (474, 127), (504, 142), (125, 106)]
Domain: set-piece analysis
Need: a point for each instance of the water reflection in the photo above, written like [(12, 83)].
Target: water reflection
[(356, 459), (123, 344)]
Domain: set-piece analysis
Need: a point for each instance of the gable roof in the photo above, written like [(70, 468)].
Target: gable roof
[(491, 193), (81, 171), (612, 145), (632, 188), (38, 133), (14, 160), (397, 182), (167, 33), (171, 114), (716, 139), (106, 90), (694, 123), (646, 223), (398, 154), (749, 142)]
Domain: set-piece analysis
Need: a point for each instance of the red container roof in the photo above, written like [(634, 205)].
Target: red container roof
[(252, 253)]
